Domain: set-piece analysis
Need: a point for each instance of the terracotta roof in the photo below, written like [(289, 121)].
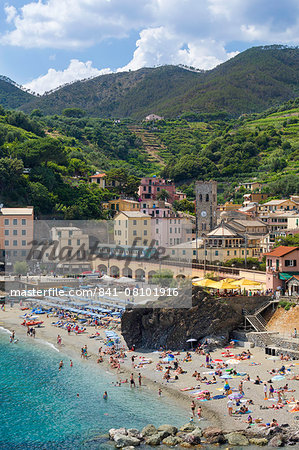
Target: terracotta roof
[(281, 251), (98, 175)]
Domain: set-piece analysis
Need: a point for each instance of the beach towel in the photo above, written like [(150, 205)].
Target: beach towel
[(217, 397)]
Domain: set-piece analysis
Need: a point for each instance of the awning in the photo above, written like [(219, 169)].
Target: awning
[(287, 275)]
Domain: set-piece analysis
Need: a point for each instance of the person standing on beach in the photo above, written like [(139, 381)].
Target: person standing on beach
[(132, 382), (193, 406), (265, 391), (160, 392), (230, 407), (71, 363), (271, 391), (199, 411), (139, 379)]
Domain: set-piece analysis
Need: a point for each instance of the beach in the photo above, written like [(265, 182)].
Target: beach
[(214, 411)]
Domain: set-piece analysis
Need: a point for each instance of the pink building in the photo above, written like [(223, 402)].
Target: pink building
[(282, 264), (151, 186)]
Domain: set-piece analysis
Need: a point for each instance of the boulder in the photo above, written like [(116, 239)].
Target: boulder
[(154, 439), (134, 432), (171, 441), (293, 436), (114, 431), (186, 445), (122, 440), (188, 427), (170, 429), (149, 430), (213, 435), (258, 441), (192, 439), (236, 439), (277, 441)]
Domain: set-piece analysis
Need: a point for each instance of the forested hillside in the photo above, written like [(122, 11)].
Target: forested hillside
[(46, 161), (252, 81)]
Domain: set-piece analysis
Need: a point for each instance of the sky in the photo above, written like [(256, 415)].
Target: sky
[(47, 43)]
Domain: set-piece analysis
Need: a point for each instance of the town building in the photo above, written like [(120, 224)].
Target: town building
[(278, 205), (206, 205), (132, 228), (16, 233), (153, 118), (282, 263), (68, 253), (251, 186), (151, 187), (254, 197), (99, 178), (122, 204)]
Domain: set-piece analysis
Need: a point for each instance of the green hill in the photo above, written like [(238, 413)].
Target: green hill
[(252, 81), (11, 96)]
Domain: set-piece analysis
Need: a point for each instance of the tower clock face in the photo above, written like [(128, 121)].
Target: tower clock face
[(203, 213)]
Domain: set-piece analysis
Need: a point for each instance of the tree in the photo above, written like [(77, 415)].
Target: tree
[(10, 172), (163, 195), (20, 268), (73, 112)]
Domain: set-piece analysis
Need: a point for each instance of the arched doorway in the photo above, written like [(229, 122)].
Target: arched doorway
[(114, 271), (127, 272), (140, 275), (102, 269)]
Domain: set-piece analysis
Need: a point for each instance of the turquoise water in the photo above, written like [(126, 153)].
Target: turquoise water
[(40, 408)]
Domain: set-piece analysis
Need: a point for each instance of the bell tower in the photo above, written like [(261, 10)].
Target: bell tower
[(206, 205)]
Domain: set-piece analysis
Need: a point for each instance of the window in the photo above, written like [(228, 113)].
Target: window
[(216, 252), (207, 197), (15, 253), (23, 243), (59, 234), (194, 252), (145, 232), (6, 221), (78, 241), (134, 233), (290, 262), (134, 222), (200, 197), (184, 252), (6, 242), (144, 205), (24, 221), (157, 230), (6, 232), (158, 189), (23, 232), (235, 252), (70, 233), (227, 252), (15, 221), (69, 242), (157, 221), (173, 252), (15, 243), (23, 253), (170, 230), (170, 240), (145, 222), (15, 232)]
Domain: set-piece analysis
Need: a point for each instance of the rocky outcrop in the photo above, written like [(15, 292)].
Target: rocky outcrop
[(175, 320), (189, 436)]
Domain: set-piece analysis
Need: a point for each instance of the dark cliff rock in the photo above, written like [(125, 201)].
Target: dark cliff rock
[(171, 326)]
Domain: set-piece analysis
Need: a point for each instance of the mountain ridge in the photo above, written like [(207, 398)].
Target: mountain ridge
[(252, 81)]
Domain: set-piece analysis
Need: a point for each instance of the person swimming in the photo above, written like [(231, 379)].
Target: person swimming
[(105, 395)]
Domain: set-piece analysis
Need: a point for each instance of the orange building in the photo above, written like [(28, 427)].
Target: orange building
[(16, 232)]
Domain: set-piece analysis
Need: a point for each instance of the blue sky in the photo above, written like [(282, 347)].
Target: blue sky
[(46, 43)]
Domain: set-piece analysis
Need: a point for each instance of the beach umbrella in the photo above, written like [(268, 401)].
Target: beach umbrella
[(191, 341), (223, 285), (244, 282), (217, 360), (206, 282), (235, 396)]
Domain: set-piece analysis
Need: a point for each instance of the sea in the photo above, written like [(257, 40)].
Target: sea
[(42, 408)]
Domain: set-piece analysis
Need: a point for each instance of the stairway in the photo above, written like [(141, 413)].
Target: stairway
[(255, 322)]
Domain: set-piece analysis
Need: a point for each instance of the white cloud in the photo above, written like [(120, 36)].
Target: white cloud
[(77, 70), (158, 46), (191, 32)]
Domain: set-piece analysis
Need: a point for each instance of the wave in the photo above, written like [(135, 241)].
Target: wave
[(5, 329), (49, 344)]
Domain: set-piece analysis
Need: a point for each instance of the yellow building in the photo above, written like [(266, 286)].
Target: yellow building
[(132, 227), (278, 205), (121, 204), (99, 178), (229, 206)]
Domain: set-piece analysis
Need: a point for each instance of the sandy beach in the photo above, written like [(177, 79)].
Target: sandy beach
[(214, 411)]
